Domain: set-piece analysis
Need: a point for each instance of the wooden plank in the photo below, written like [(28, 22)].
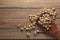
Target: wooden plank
[(20, 13), (30, 3), (12, 23), (13, 12), (16, 34)]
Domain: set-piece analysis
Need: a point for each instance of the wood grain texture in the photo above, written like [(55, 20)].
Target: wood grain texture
[(14, 12), (30, 3), (21, 13)]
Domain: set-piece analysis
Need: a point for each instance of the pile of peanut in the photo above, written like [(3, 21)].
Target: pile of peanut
[(44, 17)]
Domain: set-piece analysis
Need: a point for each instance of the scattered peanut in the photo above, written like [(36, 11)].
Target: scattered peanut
[(22, 29), (28, 34), (35, 33)]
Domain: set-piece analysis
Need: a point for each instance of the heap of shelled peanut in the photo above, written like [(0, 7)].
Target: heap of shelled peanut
[(44, 17)]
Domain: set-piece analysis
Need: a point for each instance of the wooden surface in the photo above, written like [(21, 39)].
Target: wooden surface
[(14, 12)]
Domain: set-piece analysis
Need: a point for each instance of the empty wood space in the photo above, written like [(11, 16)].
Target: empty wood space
[(14, 12)]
